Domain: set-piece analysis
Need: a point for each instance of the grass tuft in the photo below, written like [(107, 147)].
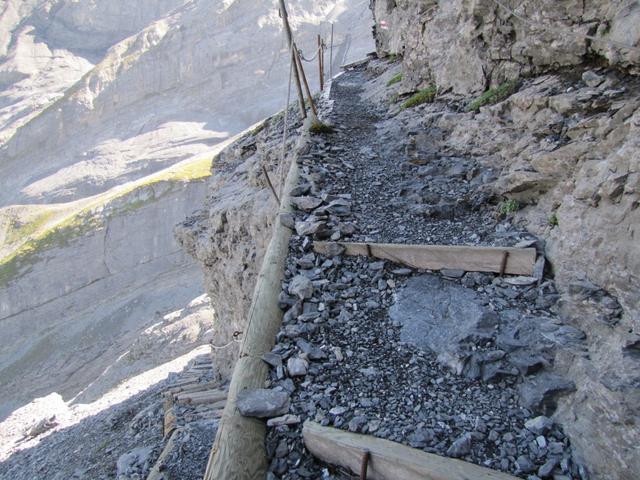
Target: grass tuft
[(423, 96), (395, 79), (494, 95), (553, 220), (508, 207), (318, 128)]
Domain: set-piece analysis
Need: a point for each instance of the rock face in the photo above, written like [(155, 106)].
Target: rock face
[(152, 84), (565, 147), (230, 235), (118, 293), (467, 45)]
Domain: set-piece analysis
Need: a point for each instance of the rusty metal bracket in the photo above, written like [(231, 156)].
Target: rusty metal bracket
[(503, 265), (366, 455)]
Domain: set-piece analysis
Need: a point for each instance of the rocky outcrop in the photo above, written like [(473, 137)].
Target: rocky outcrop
[(229, 237), (564, 149), (468, 45)]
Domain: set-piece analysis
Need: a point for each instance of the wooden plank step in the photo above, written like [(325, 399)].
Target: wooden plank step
[(197, 398), (519, 261), (389, 460)]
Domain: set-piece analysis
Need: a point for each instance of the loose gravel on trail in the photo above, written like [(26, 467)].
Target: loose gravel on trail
[(347, 362)]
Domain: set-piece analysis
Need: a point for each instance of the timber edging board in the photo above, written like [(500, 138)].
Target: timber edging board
[(520, 261), (238, 451), (389, 460)]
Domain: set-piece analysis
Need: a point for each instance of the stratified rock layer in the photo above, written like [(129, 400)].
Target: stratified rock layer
[(565, 147)]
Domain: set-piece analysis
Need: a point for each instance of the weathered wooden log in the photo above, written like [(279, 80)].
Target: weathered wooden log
[(195, 387), (239, 451), (388, 460), (520, 261), (198, 398)]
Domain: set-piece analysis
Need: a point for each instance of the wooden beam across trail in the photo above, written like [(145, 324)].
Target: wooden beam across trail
[(388, 460), (519, 261)]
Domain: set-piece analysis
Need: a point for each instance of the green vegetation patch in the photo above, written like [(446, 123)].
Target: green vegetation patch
[(494, 95), (508, 207), (59, 235), (86, 219), (19, 230), (317, 128), (425, 95), (395, 79), (553, 220)]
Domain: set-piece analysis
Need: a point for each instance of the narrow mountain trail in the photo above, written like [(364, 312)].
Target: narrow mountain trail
[(454, 363)]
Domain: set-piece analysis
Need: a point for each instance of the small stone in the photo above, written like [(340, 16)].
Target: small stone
[(461, 447), (262, 403), (520, 281), (283, 420), (539, 425), (541, 441), (592, 79), (538, 268), (306, 203), (546, 470), (338, 410), (540, 393), (525, 465), (452, 273), (301, 286), (402, 272), (356, 423), (297, 367), (272, 359)]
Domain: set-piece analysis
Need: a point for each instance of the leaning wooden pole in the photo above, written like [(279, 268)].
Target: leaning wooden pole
[(320, 72), (296, 74), (306, 84), (331, 54), (239, 452)]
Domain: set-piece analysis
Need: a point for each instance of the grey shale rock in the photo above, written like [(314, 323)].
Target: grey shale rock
[(301, 287), (297, 367), (262, 403), (461, 446), (539, 425)]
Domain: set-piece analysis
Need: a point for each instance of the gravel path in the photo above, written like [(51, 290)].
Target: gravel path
[(347, 362)]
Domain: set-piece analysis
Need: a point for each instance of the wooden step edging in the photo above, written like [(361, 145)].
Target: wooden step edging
[(510, 260), (238, 452), (388, 460)]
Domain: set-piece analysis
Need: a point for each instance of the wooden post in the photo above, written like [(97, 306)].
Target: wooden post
[(287, 29), (306, 84), (320, 63), (331, 54)]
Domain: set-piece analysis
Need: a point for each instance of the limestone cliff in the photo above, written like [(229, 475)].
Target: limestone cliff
[(110, 112), (566, 146)]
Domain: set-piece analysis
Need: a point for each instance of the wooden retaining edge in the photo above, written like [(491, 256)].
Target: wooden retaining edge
[(388, 460), (238, 451), (517, 261), (158, 472)]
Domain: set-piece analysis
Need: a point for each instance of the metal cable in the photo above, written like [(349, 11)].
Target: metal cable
[(309, 60)]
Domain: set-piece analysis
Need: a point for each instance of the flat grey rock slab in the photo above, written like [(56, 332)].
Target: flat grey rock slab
[(436, 315), (262, 403)]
